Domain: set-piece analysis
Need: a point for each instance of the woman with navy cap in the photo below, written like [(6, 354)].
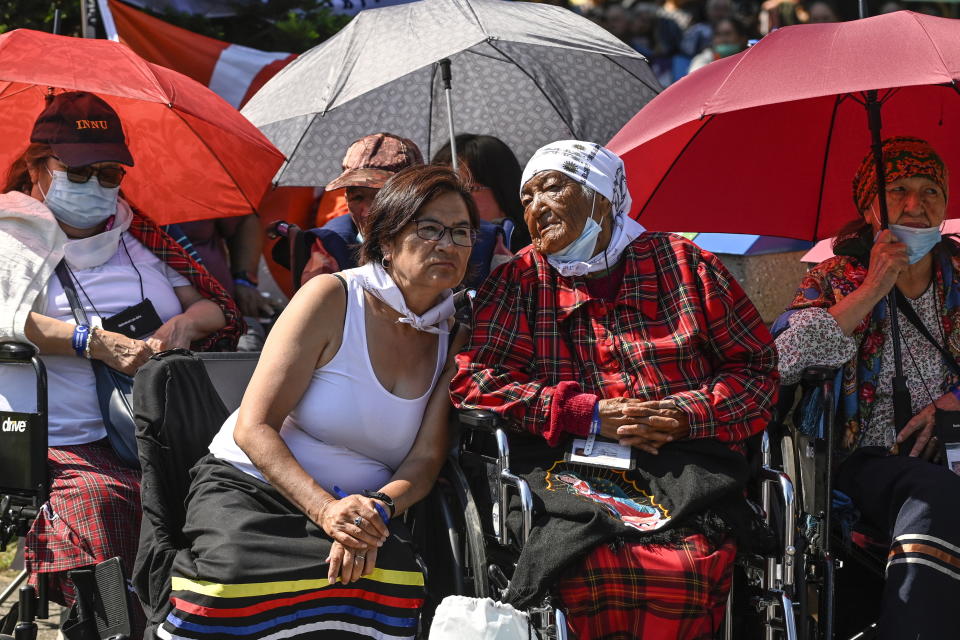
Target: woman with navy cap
[(69, 230)]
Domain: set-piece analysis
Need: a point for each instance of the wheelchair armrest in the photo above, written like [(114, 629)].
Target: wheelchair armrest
[(818, 375), (16, 352), (481, 420)]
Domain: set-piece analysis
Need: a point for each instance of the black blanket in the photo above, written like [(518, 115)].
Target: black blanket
[(693, 486)]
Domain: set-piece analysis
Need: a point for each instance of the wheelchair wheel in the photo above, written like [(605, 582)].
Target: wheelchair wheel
[(469, 538)]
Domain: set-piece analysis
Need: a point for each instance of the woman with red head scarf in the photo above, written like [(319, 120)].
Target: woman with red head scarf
[(840, 318)]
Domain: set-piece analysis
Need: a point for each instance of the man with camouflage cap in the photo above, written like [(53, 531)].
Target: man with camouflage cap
[(368, 164)]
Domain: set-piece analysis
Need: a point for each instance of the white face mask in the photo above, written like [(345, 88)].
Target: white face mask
[(919, 241), (80, 205)]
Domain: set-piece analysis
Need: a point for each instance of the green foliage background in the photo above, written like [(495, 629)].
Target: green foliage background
[(278, 25)]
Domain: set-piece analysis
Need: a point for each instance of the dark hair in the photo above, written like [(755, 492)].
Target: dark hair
[(738, 25), (18, 175), (490, 162), (400, 200)]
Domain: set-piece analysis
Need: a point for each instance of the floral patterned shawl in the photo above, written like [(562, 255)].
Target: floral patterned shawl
[(832, 280)]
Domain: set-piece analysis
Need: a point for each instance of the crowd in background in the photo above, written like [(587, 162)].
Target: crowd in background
[(680, 36)]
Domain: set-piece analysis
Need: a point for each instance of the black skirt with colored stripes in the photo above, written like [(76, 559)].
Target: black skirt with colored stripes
[(255, 569)]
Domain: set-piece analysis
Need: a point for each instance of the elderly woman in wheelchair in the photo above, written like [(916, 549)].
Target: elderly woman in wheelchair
[(97, 288), (633, 367), (292, 519), (840, 318)]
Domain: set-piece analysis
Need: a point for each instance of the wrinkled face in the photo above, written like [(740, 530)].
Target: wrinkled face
[(555, 210), (911, 202), (435, 263), (359, 200)]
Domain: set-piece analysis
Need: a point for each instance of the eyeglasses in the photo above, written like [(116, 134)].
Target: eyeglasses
[(433, 231), (108, 177)]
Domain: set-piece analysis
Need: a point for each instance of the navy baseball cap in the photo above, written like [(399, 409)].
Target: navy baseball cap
[(82, 129)]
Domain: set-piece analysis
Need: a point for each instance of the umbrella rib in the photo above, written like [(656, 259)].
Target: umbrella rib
[(288, 158), (556, 110), (823, 170), (641, 80), (253, 208), (18, 91), (673, 163), (936, 48)]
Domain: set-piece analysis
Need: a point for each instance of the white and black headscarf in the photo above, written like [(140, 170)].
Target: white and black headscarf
[(596, 167)]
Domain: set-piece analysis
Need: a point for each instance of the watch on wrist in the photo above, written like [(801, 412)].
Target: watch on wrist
[(382, 497), (245, 276)]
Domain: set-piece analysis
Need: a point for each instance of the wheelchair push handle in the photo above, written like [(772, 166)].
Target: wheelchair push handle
[(16, 352), (281, 229), (818, 375), (481, 419)]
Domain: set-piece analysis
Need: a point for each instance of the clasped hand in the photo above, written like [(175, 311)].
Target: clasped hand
[(643, 424), (923, 425), (357, 531)]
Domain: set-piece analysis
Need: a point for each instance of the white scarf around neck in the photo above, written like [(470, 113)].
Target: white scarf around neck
[(87, 253), (374, 278), (625, 231)]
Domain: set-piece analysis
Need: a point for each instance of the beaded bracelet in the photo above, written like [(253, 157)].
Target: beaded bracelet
[(86, 348)]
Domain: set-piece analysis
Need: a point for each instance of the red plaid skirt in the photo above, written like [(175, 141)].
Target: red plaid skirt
[(93, 515), (650, 592)]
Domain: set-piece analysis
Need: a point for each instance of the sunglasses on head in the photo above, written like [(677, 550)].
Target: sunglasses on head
[(109, 177)]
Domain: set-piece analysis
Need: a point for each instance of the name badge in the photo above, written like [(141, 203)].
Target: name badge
[(134, 322), (604, 453)]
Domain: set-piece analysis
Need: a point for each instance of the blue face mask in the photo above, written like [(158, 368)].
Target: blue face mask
[(80, 205), (919, 241), (581, 249)]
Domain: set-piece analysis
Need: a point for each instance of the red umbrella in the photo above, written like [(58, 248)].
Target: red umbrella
[(767, 141), (196, 156)]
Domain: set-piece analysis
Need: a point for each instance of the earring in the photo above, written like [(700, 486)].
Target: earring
[(385, 263)]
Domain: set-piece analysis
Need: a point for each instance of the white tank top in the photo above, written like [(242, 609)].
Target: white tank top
[(347, 430)]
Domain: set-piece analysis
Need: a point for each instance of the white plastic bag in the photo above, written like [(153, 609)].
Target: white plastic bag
[(463, 618)]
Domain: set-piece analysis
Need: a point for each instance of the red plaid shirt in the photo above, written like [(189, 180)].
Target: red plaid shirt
[(544, 350)]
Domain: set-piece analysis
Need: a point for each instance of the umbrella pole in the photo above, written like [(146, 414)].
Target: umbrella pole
[(902, 409), (447, 91)]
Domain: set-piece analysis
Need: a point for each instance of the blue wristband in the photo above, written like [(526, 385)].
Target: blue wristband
[(81, 334), (340, 493), (595, 423), (244, 282)]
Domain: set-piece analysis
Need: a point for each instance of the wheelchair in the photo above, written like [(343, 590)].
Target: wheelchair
[(24, 490), (831, 563), (491, 549)]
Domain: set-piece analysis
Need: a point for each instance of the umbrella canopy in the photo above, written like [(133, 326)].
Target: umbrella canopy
[(768, 141), (526, 73), (195, 156), (744, 244)]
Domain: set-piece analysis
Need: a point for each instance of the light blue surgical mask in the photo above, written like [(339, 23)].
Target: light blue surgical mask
[(581, 249), (81, 205), (919, 241)]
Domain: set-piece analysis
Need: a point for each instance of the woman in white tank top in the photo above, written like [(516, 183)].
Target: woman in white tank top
[(343, 427)]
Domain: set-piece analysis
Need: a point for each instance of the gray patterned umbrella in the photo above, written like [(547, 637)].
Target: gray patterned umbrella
[(526, 73)]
